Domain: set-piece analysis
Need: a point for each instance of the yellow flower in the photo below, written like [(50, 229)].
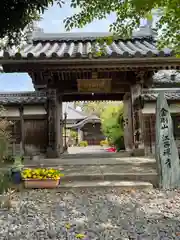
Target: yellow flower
[(80, 236), (41, 173), (67, 226)]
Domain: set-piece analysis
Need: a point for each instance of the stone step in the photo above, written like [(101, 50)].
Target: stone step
[(145, 177), (95, 155), (127, 161), (124, 185)]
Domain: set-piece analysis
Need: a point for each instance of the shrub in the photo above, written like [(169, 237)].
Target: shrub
[(4, 135), (83, 144), (104, 142), (9, 159), (112, 125), (119, 143), (5, 181)]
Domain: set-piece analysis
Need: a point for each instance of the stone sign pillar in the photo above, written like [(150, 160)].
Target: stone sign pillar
[(167, 156)]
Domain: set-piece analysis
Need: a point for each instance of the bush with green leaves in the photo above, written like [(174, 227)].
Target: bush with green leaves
[(5, 135), (5, 176), (5, 181), (112, 125), (83, 144)]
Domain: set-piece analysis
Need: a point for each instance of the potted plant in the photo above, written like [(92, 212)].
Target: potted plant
[(41, 177), (16, 170)]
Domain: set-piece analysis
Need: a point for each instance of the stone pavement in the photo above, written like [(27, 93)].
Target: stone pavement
[(88, 149)]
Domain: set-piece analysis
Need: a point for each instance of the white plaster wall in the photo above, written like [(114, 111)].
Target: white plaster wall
[(28, 110), (150, 108), (34, 110), (10, 112)]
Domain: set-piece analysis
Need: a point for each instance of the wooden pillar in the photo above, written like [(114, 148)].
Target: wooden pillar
[(136, 91), (127, 115), (51, 123), (22, 142), (55, 124), (59, 124)]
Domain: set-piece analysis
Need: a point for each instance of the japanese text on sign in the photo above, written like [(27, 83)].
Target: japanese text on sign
[(165, 136), (94, 85)]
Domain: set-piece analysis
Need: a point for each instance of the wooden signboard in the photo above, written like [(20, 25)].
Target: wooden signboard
[(102, 85)]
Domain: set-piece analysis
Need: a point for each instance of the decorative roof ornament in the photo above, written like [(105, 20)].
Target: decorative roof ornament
[(33, 30), (146, 29), (36, 28)]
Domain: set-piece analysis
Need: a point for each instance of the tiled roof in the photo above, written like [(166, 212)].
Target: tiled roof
[(72, 113), (170, 95), (167, 76), (22, 98), (89, 119), (79, 45)]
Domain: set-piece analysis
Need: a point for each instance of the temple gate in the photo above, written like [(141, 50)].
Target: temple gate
[(65, 69)]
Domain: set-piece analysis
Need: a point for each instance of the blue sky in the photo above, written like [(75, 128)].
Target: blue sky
[(52, 21)]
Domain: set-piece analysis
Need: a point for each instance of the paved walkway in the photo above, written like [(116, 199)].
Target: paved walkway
[(88, 149)]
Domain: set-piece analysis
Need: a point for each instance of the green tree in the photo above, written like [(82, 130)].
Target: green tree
[(128, 16), (112, 124), (95, 108), (16, 15)]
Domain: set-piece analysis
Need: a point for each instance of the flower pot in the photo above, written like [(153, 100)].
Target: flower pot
[(41, 183), (16, 177)]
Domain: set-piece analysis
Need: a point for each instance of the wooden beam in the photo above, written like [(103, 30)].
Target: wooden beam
[(21, 112), (93, 97)]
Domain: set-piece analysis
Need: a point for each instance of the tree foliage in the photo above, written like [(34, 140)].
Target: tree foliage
[(95, 108), (112, 123), (16, 17), (128, 16), (111, 115)]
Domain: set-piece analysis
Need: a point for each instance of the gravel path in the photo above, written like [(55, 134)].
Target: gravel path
[(102, 214)]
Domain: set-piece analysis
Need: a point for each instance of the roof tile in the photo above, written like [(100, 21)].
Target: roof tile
[(167, 76), (80, 45), (22, 98), (152, 96)]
